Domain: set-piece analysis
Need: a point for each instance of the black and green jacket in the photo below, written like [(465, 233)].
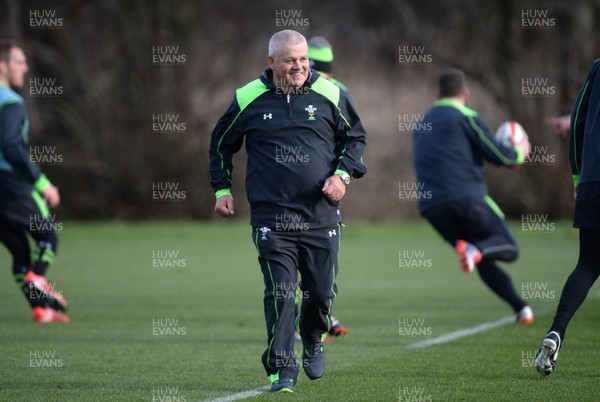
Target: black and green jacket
[(294, 142), (14, 133), (450, 145), (584, 141)]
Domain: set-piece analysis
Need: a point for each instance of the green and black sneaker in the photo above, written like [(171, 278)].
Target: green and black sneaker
[(282, 384), (313, 360)]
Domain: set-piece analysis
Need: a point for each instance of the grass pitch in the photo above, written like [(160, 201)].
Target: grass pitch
[(173, 311)]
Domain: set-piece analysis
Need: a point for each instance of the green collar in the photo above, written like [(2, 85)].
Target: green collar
[(461, 108)]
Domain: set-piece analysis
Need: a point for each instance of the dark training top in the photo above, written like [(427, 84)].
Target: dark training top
[(449, 147), (294, 142), (14, 127), (584, 141)]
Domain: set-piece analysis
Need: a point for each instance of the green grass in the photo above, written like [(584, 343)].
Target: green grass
[(109, 353)]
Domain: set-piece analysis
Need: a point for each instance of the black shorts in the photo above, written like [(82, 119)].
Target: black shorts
[(587, 207), (472, 219), (20, 203)]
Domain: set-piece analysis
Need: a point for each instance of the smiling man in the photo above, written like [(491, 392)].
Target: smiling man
[(304, 142)]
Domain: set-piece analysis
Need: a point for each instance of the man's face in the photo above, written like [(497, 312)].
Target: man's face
[(290, 66), (14, 69)]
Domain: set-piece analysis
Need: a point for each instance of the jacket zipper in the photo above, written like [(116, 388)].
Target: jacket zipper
[(289, 107)]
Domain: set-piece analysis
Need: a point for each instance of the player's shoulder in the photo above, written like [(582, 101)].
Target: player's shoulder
[(249, 92), (338, 84), (327, 89), (9, 96), (447, 104), (595, 68)]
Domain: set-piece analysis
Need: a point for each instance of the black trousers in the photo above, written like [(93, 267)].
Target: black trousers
[(474, 220), (580, 281), (577, 286), (313, 253), (480, 222)]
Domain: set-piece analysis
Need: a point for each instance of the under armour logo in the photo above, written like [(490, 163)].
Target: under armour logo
[(267, 116), (332, 233)]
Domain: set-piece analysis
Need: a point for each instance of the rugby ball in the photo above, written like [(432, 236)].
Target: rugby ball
[(510, 133)]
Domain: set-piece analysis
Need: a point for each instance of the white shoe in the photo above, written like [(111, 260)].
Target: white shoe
[(548, 353)]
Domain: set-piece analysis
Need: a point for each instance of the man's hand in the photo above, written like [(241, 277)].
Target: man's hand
[(525, 146), (562, 124), (224, 206), (51, 196), (334, 188)]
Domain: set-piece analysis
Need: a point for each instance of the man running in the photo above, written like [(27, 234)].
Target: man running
[(304, 142), (24, 192), (449, 150)]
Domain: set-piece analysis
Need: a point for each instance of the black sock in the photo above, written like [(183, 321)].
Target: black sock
[(43, 257), (579, 282), (17, 243), (500, 283)]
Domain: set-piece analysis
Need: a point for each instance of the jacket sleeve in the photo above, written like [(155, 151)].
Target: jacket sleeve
[(227, 139), (13, 147), (350, 140), (492, 150), (578, 120)]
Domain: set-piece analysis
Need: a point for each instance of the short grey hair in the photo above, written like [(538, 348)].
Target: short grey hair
[(282, 38)]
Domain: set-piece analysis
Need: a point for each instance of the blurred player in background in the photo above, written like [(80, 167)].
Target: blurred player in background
[(584, 155), (449, 151), (304, 142), (24, 192), (320, 54)]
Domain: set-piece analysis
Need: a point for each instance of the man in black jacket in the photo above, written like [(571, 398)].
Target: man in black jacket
[(304, 142)]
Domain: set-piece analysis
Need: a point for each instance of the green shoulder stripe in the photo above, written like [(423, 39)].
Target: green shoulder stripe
[(338, 84), (461, 108), (244, 96), (249, 92), (328, 89)]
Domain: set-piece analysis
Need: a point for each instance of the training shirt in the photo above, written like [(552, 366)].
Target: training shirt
[(294, 142)]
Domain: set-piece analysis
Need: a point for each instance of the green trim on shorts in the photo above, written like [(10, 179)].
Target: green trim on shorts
[(494, 206)]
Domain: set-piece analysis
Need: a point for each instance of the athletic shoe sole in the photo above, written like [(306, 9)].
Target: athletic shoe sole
[(543, 361)]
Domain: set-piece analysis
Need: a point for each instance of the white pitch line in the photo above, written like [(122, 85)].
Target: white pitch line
[(461, 333), (486, 326), (242, 395)]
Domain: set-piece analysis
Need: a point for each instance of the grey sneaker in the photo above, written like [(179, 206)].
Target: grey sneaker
[(313, 360), (284, 385), (548, 353)]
